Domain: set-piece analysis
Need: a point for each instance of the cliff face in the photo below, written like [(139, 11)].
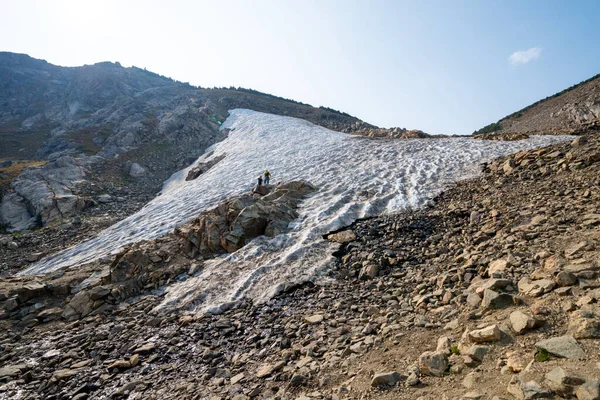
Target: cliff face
[(572, 111)]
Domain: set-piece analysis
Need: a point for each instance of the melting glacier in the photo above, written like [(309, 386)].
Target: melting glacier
[(356, 177)]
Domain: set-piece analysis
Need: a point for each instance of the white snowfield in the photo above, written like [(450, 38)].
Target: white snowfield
[(356, 177)]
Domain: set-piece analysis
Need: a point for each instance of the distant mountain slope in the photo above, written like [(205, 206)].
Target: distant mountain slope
[(573, 110), (122, 130), (108, 107)]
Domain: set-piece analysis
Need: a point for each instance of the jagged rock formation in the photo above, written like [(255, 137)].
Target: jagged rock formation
[(42, 195), (233, 223), (572, 111), (97, 287), (362, 128), (203, 167)]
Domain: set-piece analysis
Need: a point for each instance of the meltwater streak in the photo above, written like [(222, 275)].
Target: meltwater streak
[(356, 177)]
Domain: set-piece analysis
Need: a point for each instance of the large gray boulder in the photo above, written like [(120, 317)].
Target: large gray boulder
[(43, 194)]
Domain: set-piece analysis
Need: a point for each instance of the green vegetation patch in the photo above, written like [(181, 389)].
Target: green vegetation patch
[(542, 356), (493, 127)]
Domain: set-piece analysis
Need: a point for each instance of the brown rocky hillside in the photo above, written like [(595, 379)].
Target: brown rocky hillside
[(571, 111)]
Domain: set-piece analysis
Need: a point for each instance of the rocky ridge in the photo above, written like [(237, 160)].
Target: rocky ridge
[(490, 293), (569, 112), (83, 118)]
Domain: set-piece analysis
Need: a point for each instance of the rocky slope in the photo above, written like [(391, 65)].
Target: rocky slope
[(85, 120), (490, 293), (571, 111)]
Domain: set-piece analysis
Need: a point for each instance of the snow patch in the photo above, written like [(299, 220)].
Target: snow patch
[(356, 177)]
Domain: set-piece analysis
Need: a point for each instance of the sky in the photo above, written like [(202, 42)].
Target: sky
[(440, 66)]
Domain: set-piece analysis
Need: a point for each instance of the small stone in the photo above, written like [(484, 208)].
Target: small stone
[(562, 346), (346, 236), (535, 288), (314, 319), (473, 395), (522, 322), (134, 360), (444, 344), (385, 378), (497, 267), (517, 361), (120, 364), (574, 249), (563, 291), (477, 352), (412, 379), (369, 271), (237, 378), (145, 349), (471, 380), (297, 380), (13, 370), (473, 300), (269, 369), (63, 374)]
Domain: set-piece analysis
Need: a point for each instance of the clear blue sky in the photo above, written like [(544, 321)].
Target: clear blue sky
[(440, 66)]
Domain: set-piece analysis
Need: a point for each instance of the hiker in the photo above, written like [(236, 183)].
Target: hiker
[(260, 180), (267, 175)]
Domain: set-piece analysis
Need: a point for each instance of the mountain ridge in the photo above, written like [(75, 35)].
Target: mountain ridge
[(84, 121), (570, 111)]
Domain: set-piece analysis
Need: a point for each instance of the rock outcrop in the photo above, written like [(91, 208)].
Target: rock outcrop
[(233, 223), (43, 195)]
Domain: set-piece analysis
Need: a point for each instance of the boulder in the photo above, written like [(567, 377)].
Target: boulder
[(495, 300), (202, 168), (522, 322), (136, 170), (30, 291), (526, 390), (433, 363), (585, 323), (535, 288), (562, 346), (562, 382), (590, 390), (43, 194), (14, 214), (489, 334), (385, 378)]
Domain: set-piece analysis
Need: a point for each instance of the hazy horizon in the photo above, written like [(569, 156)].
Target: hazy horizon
[(429, 65)]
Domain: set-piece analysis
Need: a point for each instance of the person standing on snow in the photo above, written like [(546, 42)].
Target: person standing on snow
[(267, 176)]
